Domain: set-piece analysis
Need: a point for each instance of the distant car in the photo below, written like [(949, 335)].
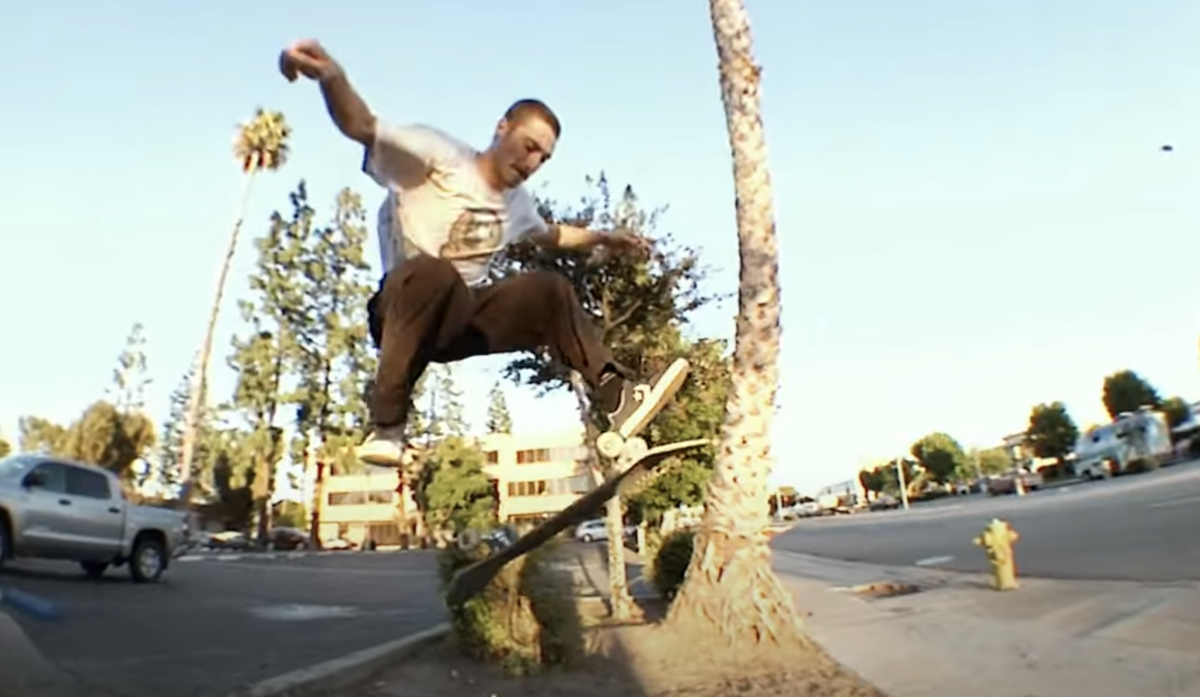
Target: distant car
[(289, 539), (807, 509), (1007, 484), (501, 537), (883, 503), (596, 530), (227, 541), (338, 545)]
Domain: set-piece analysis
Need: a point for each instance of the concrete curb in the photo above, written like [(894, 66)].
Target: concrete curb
[(343, 671), (28, 673)]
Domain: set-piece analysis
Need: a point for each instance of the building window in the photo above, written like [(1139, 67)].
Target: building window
[(382, 496), (551, 487), (358, 498), (533, 456), (529, 488), (573, 453), (346, 498), (493, 457)]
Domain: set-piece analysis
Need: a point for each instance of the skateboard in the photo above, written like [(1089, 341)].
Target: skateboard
[(471, 581)]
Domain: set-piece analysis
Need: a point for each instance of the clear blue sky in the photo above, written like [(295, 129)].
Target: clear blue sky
[(973, 210)]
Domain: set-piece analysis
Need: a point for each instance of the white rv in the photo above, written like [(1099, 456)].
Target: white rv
[(1104, 451)]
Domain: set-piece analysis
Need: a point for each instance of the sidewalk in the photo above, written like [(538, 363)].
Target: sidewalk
[(956, 636), (26, 673)]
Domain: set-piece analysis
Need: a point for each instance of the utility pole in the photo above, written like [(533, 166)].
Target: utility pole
[(903, 482), (1018, 471)]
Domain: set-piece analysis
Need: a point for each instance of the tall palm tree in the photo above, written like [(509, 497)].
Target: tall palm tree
[(730, 589), (260, 144)]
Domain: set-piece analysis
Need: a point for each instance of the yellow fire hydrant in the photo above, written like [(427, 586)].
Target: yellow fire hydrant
[(997, 540)]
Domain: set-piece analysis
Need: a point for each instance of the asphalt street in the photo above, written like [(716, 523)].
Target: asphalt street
[(1138, 528), (212, 626)]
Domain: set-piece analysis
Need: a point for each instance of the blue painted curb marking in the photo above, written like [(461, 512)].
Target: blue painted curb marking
[(30, 604)]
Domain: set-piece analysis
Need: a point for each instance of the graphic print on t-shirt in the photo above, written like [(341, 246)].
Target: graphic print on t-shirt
[(476, 232)]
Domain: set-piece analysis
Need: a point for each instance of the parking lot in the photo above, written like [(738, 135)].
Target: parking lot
[(217, 623)]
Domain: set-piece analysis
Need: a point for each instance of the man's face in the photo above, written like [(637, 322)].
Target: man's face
[(521, 148)]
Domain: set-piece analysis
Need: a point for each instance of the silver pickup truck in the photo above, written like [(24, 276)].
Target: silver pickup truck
[(56, 509)]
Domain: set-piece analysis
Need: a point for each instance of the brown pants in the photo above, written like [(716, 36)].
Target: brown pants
[(424, 313)]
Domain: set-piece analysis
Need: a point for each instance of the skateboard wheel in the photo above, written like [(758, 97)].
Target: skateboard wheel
[(635, 449), (610, 444), (468, 539)]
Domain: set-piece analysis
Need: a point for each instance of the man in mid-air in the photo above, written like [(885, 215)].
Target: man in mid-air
[(449, 210)]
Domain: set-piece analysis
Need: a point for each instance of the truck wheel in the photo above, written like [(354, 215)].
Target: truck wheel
[(94, 569), (5, 541), (148, 561)]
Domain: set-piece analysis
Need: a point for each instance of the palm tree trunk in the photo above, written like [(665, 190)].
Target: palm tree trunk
[(730, 590), (191, 421), (620, 601)]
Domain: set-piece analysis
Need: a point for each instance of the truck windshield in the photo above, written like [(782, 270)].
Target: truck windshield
[(16, 465)]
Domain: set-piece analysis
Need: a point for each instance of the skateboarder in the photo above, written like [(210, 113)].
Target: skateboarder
[(449, 210)]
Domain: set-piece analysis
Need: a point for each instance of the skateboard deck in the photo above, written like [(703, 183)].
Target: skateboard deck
[(470, 581)]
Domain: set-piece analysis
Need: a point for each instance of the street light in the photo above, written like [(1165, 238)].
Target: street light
[(903, 482)]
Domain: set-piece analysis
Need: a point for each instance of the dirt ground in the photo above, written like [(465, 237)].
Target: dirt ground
[(639, 659)]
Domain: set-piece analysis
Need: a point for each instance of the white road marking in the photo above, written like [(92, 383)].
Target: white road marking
[(1177, 502), (934, 561), (299, 613)]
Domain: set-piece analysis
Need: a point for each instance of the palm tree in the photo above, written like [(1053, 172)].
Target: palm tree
[(730, 589), (260, 144)]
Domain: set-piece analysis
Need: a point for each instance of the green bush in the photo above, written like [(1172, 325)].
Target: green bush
[(671, 562), (526, 619)]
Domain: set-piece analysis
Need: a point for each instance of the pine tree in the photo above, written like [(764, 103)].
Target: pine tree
[(131, 376), (171, 439), (498, 418), (333, 360), (447, 410), (268, 353)]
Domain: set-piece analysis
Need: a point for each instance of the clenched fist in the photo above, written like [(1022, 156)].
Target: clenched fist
[(307, 58)]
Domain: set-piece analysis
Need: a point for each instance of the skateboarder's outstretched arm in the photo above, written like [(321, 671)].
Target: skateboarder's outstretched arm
[(348, 110), (571, 237), (396, 157)]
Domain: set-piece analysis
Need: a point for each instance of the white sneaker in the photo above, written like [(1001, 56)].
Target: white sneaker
[(383, 448)]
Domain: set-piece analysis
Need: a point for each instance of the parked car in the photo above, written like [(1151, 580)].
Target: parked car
[(339, 544), (807, 509), (226, 541), (1007, 484), (289, 539), (501, 537), (56, 509), (596, 530), (883, 503)]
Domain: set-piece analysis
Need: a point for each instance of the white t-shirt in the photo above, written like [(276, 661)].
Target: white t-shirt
[(438, 203)]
